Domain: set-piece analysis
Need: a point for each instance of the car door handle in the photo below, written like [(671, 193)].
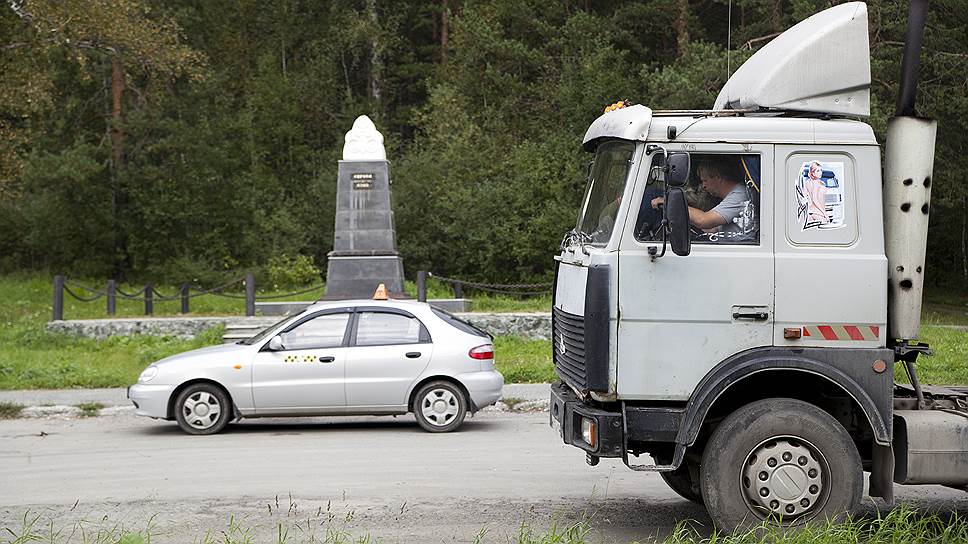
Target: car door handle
[(327, 359), (413, 354), (755, 316)]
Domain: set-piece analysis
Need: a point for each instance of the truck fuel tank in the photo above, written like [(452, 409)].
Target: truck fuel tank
[(931, 447)]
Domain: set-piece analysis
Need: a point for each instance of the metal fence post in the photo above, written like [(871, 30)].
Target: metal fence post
[(422, 286), (149, 299), (458, 290), (58, 298), (112, 297), (184, 297), (249, 294)]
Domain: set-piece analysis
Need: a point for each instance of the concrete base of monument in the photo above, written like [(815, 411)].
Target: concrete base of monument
[(358, 276)]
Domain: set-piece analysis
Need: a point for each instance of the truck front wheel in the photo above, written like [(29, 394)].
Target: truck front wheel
[(780, 460)]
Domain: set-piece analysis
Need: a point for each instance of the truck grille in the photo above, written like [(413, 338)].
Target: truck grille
[(569, 348)]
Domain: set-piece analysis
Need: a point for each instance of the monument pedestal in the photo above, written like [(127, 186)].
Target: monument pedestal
[(364, 247)]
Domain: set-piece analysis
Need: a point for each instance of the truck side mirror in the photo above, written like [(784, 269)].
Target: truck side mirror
[(677, 169), (677, 214)]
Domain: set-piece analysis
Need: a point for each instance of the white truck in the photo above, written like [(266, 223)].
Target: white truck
[(752, 365)]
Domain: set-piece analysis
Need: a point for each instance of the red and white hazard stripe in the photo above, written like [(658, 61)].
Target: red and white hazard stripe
[(842, 332)]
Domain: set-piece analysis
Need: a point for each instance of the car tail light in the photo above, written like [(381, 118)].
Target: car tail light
[(482, 352)]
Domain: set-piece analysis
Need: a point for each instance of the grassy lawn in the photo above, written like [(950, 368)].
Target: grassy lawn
[(30, 357)]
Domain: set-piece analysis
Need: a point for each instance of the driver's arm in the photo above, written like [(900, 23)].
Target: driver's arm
[(697, 217), (705, 220)]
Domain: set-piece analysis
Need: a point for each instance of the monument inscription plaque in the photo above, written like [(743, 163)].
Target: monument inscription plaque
[(364, 247)]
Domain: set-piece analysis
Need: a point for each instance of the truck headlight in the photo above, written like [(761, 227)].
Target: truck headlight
[(148, 374), (589, 431)]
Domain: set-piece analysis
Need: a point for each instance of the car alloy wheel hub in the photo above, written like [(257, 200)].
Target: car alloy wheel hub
[(784, 477), (439, 407), (201, 410)]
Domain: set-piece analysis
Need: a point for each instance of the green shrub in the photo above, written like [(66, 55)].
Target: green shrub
[(284, 272)]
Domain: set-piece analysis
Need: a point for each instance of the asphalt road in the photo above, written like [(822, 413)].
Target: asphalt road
[(378, 476)]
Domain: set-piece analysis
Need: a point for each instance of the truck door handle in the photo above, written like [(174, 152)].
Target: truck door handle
[(327, 359), (413, 354), (755, 316)]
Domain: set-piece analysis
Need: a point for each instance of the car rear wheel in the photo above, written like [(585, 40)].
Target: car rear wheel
[(202, 408), (440, 407)]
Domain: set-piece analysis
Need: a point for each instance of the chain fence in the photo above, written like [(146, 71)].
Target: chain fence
[(149, 294), (511, 289)]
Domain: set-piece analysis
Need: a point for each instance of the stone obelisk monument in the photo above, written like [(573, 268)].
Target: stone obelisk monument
[(364, 249)]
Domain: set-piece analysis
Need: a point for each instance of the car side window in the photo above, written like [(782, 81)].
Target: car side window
[(323, 331), (382, 328)]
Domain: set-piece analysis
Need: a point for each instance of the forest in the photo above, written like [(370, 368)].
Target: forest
[(178, 139)]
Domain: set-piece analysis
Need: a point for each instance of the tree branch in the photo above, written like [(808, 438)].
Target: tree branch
[(749, 44)]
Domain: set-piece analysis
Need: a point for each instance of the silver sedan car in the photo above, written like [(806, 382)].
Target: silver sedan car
[(368, 357)]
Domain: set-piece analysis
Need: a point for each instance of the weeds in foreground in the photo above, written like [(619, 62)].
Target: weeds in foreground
[(90, 409), (10, 410), (290, 525), (903, 524)]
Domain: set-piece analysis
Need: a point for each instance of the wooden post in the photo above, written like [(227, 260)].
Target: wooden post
[(184, 297), (422, 286), (112, 297), (58, 298), (249, 294), (149, 299)]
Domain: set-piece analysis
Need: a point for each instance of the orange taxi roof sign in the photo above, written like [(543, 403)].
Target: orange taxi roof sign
[(380, 293)]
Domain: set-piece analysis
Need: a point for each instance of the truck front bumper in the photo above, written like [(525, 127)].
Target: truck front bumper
[(602, 433)]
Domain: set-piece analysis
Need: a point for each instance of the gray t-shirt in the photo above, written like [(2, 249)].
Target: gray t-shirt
[(731, 208)]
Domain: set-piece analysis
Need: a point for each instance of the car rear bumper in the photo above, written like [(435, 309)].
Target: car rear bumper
[(150, 400), (483, 387)]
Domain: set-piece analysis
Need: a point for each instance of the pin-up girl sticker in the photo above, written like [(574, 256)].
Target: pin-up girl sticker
[(820, 195)]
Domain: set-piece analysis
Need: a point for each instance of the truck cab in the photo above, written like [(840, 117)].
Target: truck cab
[(752, 365)]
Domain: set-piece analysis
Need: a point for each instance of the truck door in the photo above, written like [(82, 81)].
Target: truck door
[(681, 316)]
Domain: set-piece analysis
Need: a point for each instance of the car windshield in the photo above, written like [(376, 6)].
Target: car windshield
[(603, 195), (266, 332)]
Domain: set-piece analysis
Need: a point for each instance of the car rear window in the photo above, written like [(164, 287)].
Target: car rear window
[(459, 323)]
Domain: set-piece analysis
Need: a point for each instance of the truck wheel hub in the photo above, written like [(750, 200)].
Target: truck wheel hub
[(784, 476)]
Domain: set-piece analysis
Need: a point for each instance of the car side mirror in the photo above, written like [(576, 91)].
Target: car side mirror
[(275, 344), (677, 169), (677, 214)]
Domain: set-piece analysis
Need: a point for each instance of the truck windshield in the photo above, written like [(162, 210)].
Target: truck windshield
[(603, 195)]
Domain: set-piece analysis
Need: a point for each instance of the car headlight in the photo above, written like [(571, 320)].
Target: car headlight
[(148, 374)]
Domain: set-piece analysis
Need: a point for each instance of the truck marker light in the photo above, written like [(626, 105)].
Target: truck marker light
[(589, 431), (879, 366), (237, 367), (791, 333)]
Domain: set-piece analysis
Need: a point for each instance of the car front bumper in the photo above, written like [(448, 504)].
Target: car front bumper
[(483, 387), (150, 399)]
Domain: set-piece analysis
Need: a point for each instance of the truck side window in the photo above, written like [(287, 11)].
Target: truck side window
[(723, 193)]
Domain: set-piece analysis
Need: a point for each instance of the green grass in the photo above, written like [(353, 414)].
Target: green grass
[(901, 525), (522, 360), (90, 409), (10, 410)]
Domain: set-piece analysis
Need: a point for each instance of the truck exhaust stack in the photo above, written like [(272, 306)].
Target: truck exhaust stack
[(908, 167)]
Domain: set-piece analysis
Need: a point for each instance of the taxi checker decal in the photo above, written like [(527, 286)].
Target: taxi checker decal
[(300, 359), (842, 332)]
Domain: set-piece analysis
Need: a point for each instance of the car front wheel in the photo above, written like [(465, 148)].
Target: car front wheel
[(440, 407), (202, 408)]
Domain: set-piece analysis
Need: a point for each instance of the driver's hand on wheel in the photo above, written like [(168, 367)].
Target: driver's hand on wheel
[(658, 201)]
